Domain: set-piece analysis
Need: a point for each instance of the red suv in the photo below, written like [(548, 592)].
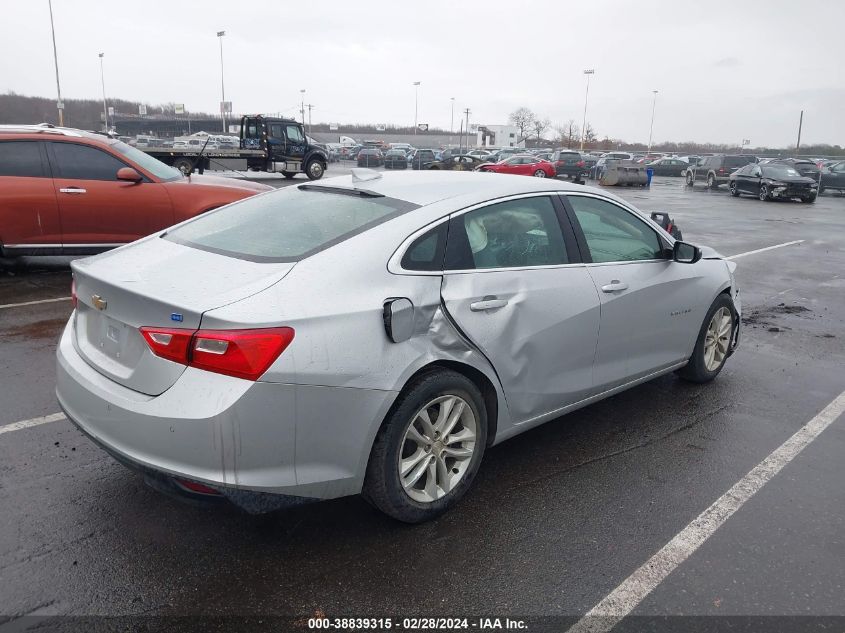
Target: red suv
[(68, 192)]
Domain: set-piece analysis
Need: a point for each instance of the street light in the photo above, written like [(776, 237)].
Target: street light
[(452, 125), (416, 104), (302, 107), (103, 82), (653, 104), (59, 104), (587, 72), (220, 35)]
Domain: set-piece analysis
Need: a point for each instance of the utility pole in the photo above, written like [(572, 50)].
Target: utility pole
[(588, 72), (467, 111), (416, 104), (220, 35), (452, 125), (651, 129), (302, 107), (310, 107), (800, 124), (103, 82), (59, 104)]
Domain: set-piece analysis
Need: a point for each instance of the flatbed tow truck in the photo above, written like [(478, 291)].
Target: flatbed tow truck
[(267, 144)]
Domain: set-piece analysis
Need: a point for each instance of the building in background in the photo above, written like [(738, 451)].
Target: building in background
[(498, 136)]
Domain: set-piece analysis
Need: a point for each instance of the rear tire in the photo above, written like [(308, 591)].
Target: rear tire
[(712, 347), (711, 181), (288, 174), (539, 174), (184, 165), (418, 500), (808, 199), (734, 190), (690, 179)]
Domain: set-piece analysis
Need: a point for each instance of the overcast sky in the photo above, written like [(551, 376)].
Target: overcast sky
[(724, 70)]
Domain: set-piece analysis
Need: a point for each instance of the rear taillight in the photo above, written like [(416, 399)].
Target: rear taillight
[(244, 354), (73, 299), (197, 488), (559, 162), (722, 170), (580, 163)]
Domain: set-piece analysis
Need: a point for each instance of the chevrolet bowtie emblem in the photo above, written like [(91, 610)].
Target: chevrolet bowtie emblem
[(99, 302)]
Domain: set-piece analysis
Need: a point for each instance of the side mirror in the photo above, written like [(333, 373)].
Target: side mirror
[(129, 174), (685, 253)]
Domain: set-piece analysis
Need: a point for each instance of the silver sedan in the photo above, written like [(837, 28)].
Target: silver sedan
[(375, 334)]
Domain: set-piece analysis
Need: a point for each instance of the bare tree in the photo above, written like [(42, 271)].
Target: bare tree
[(569, 133), (540, 127), (590, 135), (523, 118)]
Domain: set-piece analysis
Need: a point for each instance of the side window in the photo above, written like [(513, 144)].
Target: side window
[(295, 134), (512, 234), (84, 162), (426, 252), (276, 131), (614, 234), (20, 158)]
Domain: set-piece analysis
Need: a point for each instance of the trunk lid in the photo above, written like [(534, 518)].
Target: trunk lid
[(154, 282)]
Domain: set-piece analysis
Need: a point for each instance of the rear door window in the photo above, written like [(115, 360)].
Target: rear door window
[(288, 224), (513, 234), (21, 159), (83, 162)]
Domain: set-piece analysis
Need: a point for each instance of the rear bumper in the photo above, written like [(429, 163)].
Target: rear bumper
[(236, 436)]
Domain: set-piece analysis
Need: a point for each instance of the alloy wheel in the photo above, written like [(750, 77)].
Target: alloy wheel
[(717, 339), (764, 193), (540, 173), (437, 448)]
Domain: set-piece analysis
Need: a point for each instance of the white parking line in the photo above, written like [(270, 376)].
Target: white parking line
[(633, 590), (33, 303), (25, 424), (763, 250)]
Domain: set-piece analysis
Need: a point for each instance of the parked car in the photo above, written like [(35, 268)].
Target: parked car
[(833, 177), (479, 153), (772, 181), (333, 340), (369, 157), (456, 162), (395, 159), (619, 155), (69, 192), (715, 170), (691, 160), (803, 166), (669, 167), (521, 165), (421, 157), (570, 164)]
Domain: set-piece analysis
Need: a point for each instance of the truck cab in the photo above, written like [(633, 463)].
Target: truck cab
[(285, 147)]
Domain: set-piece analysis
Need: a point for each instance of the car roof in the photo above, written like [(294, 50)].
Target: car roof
[(427, 187), (46, 129)]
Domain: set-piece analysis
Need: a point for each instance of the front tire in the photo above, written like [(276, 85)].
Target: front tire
[(765, 195), (690, 179), (428, 449), (713, 344), (315, 169), (808, 199)]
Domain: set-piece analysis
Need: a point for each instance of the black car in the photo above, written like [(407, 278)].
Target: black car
[(395, 159), (456, 162), (569, 163), (803, 166), (772, 181), (370, 157), (715, 170), (421, 157), (833, 177), (668, 167)]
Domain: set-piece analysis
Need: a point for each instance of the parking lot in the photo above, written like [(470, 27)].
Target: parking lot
[(558, 517)]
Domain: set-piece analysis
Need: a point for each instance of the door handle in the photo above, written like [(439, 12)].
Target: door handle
[(72, 190), (488, 303), (615, 286)]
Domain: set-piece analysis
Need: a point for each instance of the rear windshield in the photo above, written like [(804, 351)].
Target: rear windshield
[(739, 161), (286, 225)]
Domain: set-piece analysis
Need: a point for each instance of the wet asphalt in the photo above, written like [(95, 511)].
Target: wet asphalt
[(557, 517)]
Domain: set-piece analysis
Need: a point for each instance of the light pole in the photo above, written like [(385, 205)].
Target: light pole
[(416, 104), (651, 129), (302, 107), (452, 125), (103, 82), (220, 35), (467, 111), (587, 72), (59, 104), (310, 107)]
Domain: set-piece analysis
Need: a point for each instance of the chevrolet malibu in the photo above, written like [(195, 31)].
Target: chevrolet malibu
[(376, 334)]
